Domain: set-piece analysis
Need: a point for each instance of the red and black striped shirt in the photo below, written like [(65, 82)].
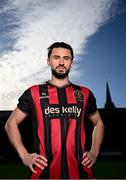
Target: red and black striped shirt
[(58, 121)]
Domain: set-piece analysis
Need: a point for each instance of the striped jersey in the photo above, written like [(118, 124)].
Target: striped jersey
[(58, 122)]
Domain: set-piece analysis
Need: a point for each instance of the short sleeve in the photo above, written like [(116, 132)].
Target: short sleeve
[(23, 102), (91, 104)]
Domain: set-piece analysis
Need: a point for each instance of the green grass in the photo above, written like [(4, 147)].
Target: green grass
[(13, 171), (110, 169), (104, 169)]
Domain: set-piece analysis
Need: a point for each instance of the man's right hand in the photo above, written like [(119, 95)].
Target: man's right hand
[(36, 160)]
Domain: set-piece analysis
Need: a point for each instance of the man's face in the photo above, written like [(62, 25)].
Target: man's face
[(60, 61)]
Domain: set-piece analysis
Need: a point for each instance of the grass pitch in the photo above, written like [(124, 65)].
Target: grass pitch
[(105, 168)]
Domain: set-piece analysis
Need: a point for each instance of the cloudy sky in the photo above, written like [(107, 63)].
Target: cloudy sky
[(95, 29)]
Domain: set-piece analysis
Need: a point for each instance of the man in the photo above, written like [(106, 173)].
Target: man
[(57, 109)]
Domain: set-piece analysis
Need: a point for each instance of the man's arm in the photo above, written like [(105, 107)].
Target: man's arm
[(97, 137), (12, 130)]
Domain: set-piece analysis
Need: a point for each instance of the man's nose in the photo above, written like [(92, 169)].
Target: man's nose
[(61, 61)]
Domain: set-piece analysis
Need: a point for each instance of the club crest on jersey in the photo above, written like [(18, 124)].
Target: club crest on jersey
[(79, 95)]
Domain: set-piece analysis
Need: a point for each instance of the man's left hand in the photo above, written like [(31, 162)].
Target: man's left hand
[(88, 159)]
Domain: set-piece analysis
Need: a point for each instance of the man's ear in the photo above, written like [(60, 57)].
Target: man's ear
[(48, 62), (71, 64)]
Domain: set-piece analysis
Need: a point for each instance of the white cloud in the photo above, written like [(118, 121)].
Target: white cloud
[(38, 24)]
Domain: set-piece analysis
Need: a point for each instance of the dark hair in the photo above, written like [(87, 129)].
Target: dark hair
[(60, 45)]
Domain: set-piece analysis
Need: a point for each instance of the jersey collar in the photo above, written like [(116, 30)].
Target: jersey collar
[(51, 84)]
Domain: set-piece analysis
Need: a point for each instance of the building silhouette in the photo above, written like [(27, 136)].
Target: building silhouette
[(114, 120), (109, 103)]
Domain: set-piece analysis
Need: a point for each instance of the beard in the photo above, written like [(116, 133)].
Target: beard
[(60, 75)]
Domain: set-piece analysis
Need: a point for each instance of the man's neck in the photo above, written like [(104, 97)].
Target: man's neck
[(59, 82)]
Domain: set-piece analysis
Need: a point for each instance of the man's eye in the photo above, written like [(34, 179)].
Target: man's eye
[(56, 57), (67, 58)]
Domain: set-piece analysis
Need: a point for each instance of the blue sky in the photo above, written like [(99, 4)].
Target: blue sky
[(106, 61), (95, 29)]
